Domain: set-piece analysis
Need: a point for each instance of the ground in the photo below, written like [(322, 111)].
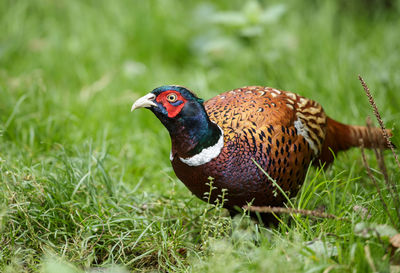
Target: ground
[(85, 184)]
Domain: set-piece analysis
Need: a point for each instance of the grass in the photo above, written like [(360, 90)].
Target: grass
[(85, 184)]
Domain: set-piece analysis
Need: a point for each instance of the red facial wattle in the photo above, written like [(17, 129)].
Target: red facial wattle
[(173, 108)]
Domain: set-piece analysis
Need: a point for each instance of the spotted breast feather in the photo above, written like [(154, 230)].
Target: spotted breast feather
[(245, 138)]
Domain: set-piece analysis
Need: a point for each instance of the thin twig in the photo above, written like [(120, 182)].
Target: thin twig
[(364, 159), (283, 210)]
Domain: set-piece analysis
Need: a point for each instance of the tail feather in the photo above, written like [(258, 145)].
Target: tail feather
[(341, 137)]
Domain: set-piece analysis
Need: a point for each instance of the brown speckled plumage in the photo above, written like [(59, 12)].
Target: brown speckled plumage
[(281, 131), (258, 125)]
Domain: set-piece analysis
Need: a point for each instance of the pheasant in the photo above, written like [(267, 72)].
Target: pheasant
[(239, 136)]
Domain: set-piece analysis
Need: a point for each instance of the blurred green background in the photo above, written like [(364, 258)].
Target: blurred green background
[(70, 71)]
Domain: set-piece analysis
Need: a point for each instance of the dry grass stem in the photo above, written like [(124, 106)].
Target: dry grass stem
[(378, 151), (378, 117), (392, 187), (282, 210), (372, 178), (369, 258), (381, 163)]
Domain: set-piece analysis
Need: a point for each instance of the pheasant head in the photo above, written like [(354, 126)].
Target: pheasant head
[(184, 116)]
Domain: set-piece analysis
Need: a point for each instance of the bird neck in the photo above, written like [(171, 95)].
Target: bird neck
[(192, 134)]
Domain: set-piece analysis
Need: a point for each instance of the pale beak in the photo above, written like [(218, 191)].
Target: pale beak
[(145, 101)]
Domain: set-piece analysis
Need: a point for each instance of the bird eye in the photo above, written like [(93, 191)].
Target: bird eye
[(171, 97)]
